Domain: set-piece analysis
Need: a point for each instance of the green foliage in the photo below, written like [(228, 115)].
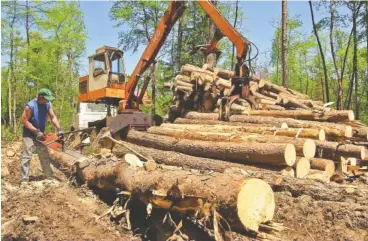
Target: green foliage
[(50, 59)]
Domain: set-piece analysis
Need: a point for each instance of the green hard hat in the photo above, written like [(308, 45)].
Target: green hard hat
[(46, 93)]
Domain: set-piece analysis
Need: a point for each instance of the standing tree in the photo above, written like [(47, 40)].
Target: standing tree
[(285, 70), (321, 52)]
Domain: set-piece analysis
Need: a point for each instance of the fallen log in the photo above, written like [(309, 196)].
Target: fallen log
[(305, 147), (335, 150), (325, 165), (331, 129), (360, 133), (172, 158), (329, 116), (257, 153), (243, 202), (291, 132)]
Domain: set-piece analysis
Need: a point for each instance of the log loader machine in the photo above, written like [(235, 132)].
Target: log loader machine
[(106, 82)]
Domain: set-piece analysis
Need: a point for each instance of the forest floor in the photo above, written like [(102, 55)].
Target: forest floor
[(56, 210)]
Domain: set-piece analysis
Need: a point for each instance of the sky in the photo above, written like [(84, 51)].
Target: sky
[(257, 25)]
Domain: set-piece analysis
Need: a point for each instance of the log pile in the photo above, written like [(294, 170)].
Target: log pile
[(272, 115), (206, 168)]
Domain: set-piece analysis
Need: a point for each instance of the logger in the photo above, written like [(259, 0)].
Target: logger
[(106, 82)]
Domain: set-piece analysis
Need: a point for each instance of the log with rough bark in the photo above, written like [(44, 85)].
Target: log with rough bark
[(329, 116), (331, 129), (222, 127), (328, 166), (178, 159), (255, 153), (201, 116), (305, 147), (335, 150), (183, 78), (243, 202), (360, 133)]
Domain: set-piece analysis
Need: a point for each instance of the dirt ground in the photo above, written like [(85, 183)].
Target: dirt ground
[(65, 212)]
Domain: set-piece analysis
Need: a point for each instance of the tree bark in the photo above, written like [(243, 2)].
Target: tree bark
[(328, 166), (330, 116), (243, 202), (172, 158), (339, 80), (222, 127), (331, 129), (273, 154), (334, 150), (320, 51), (304, 147), (285, 78)]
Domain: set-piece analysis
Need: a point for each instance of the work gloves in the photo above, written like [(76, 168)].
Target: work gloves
[(39, 135), (60, 133)]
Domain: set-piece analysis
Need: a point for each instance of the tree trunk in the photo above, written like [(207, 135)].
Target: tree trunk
[(285, 78), (172, 158), (334, 150), (211, 58), (243, 202), (330, 116), (331, 129), (258, 153), (179, 45), (235, 20), (321, 52), (339, 80), (325, 165), (355, 59), (305, 147), (291, 132)]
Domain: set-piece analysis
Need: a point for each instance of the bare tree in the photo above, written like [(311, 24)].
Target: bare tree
[(235, 20), (339, 79), (321, 52), (285, 80)]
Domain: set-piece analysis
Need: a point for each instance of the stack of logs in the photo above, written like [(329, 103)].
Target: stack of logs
[(215, 170), (306, 134)]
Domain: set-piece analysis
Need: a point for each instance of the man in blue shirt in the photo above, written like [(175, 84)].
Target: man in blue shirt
[(34, 120)]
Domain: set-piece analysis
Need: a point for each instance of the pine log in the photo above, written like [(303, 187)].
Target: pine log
[(302, 167), (269, 94), (274, 88), (360, 133), (290, 101), (182, 83), (258, 153), (331, 129), (305, 147), (172, 158), (191, 68), (222, 127), (318, 175), (183, 78), (243, 202), (335, 150), (328, 166), (330, 116), (298, 94), (272, 107)]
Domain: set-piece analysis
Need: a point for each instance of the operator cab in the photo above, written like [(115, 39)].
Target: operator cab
[(106, 77)]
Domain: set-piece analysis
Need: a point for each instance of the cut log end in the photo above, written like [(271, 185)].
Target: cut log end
[(351, 115), (255, 203), (284, 126), (133, 160), (309, 148), (363, 153), (290, 154), (322, 135), (349, 131), (302, 167)]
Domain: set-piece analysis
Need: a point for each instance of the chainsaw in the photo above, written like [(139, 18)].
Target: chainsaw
[(56, 141)]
